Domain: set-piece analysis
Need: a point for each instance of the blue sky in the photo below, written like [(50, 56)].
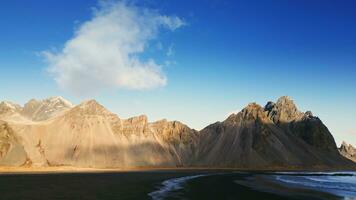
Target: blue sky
[(224, 55)]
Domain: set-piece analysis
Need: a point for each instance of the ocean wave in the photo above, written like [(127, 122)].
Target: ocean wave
[(171, 185), (339, 185), (332, 179), (341, 173)]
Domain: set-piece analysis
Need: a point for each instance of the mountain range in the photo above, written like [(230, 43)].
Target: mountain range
[(54, 132)]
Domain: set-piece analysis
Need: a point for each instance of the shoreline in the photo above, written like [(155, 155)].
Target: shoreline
[(70, 169), (271, 185)]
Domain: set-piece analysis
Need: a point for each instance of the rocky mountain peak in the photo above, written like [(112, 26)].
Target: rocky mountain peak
[(309, 116), (283, 111), (139, 119), (32, 101), (89, 103), (348, 151), (173, 131), (253, 111), (287, 105), (59, 101), (285, 100), (38, 110), (9, 107), (344, 144), (90, 107), (171, 125)]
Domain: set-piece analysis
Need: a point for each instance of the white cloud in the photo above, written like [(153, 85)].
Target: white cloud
[(104, 51)]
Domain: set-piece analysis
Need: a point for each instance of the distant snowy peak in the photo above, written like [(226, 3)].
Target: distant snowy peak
[(36, 110), (39, 110), (59, 102), (90, 107)]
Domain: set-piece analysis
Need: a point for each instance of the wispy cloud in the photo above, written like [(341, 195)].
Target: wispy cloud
[(104, 51)]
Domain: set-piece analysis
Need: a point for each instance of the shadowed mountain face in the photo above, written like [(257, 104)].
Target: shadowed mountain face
[(277, 135), (305, 126), (54, 133)]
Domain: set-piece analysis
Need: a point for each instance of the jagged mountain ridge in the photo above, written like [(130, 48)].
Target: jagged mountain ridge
[(88, 135), (9, 107), (39, 110), (35, 110), (275, 135)]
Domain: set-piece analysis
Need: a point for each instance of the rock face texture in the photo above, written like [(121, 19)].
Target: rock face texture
[(348, 151), (52, 132), (12, 153)]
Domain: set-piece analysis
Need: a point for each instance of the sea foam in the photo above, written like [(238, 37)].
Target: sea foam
[(171, 185)]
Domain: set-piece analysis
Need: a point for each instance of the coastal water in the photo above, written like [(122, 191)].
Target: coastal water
[(180, 184), (341, 184), (294, 185), (267, 185)]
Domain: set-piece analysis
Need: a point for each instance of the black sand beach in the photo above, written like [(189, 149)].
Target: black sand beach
[(144, 185)]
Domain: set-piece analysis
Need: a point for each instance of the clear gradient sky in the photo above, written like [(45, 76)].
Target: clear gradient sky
[(193, 61)]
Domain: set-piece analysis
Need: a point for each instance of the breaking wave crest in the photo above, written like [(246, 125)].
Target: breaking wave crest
[(171, 185)]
